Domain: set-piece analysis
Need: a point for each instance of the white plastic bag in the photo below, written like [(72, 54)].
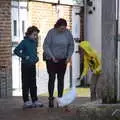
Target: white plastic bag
[(67, 98)]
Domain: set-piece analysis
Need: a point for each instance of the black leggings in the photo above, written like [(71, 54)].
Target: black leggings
[(29, 82), (54, 69)]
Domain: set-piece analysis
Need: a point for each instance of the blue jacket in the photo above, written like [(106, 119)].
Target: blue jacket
[(27, 50)]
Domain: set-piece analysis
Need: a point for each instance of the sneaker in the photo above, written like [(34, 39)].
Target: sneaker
[(37, 104), (27, 104)]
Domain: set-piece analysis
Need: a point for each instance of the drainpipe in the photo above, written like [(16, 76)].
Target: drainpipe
[(85, 19), (117, 82)]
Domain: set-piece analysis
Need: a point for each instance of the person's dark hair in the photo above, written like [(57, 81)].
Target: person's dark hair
[(60, 22), (31, 29)]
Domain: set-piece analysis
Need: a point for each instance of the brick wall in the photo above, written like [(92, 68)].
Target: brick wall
[(5, 48)]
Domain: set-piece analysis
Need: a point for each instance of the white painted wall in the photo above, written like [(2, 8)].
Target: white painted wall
[(93, 25), (93, 28)]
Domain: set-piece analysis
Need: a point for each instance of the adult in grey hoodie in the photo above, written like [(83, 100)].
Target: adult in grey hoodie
[(58, 48)]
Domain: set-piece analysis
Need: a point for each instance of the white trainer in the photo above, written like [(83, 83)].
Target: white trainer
[(27, 104), (37, 104)]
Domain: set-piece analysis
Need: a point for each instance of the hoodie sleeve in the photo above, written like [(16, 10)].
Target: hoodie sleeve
[(86, 66), (47, 43), (70, 45), (19, 50), (97, 69)]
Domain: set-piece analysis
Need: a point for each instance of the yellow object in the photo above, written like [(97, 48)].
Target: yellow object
[(91, 60)]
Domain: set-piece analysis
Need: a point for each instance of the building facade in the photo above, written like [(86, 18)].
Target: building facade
[(5, 48), (15, 17)]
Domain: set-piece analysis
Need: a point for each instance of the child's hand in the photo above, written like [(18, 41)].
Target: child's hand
[(81, 77), (27, 57)]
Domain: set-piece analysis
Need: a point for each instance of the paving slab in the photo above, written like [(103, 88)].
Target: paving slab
[(11, 109)]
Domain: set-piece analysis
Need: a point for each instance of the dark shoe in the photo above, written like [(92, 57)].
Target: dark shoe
[(51, 102)]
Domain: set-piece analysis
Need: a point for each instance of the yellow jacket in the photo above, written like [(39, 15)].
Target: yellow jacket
[(91, 60)]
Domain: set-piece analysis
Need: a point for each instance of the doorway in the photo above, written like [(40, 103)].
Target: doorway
[(19, 25)]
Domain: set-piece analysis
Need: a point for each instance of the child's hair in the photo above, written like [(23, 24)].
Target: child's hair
[(60, 22), (31, 29)]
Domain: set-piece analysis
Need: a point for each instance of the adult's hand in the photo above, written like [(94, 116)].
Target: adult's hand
[(27, 57), (54, 60), (68, 60)]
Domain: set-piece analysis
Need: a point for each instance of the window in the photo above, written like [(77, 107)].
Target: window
[(15, 27)]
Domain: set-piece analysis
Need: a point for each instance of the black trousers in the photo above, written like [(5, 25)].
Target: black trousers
[(29, 82), (54, 69)]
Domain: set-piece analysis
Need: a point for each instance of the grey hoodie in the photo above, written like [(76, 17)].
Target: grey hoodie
[(59, 45)]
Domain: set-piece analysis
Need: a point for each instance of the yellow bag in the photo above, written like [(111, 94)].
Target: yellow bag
[(91, 60)]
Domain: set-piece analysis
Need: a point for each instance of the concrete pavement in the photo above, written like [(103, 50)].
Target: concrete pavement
[(11, 109)]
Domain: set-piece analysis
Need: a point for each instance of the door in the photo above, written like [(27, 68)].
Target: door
[(19, 25)]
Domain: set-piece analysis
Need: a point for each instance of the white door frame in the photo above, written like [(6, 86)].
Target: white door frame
[(19, 20)]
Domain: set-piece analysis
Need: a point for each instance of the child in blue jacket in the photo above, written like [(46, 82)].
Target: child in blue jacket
[(27, 51)]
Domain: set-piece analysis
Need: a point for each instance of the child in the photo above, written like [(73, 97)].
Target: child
[(27, 51), (92, 62)]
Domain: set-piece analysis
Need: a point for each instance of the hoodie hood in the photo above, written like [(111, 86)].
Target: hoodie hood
[(85, 45), (91, 59)]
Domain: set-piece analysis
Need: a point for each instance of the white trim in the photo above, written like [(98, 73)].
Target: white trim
[(62, 2), (20, 7)]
